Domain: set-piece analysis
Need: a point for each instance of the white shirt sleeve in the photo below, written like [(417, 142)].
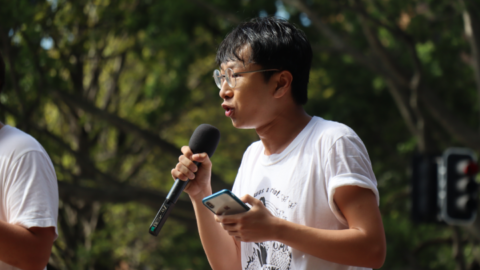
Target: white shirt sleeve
[(348, 164), (32, 192)]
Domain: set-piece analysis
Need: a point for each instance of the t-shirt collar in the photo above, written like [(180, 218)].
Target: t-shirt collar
[(275, 158)]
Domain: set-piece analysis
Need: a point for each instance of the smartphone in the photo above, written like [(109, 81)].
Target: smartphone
[(225, 202)]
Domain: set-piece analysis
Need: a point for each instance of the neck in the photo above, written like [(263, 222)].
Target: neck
[(277, 134)]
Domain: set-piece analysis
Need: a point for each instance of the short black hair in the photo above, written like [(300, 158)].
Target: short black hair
[(2, 73), (275, 44)]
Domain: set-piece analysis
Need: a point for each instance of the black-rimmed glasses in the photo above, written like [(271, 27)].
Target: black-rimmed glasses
[(231, 76)]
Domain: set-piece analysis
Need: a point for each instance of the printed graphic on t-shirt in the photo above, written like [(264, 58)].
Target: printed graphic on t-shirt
[(271, 255)]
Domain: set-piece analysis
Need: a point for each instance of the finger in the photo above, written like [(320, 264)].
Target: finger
[(185, 161), (229, 220), (202, 158), (251, 200), (185, 171), (220, 218), (234, 233), (230, 227), (186, 151), (176, 174)]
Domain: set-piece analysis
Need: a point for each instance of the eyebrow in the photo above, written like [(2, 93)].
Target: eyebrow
[(232, 65)]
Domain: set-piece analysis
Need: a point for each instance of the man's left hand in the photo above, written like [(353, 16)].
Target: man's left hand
[(255, 225)]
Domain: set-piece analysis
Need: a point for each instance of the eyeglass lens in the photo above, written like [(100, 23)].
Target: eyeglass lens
[(218, 78), (217, 75)]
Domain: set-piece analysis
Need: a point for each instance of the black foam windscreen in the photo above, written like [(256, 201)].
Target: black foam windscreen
[(204, 139)]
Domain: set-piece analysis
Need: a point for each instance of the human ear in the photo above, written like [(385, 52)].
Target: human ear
[(283, 83)]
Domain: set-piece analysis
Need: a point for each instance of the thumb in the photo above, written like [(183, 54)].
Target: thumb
[(202, 158), (251, 200)]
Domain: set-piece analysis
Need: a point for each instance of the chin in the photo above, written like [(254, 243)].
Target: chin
[(236, 123), (241, 125)]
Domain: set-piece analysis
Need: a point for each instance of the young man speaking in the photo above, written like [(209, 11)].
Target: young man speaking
[(309, 181)]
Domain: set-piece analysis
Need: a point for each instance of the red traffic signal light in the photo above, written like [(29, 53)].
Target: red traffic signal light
[(458, 191), (471, 169)]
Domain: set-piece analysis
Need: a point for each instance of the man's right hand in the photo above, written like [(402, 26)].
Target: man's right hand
[(215, 239), (199, 177)]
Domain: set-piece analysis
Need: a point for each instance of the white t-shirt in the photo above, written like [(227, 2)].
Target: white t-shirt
[(28, 184), (298, 185)]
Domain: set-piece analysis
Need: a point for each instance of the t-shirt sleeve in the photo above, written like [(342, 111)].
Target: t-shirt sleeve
[(32, 192), (348, 164)]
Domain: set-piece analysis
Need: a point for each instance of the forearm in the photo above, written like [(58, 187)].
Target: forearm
[(22, 248), (221, 249), (349, 247)]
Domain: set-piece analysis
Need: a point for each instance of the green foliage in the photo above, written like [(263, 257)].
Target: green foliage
[(149, 64)]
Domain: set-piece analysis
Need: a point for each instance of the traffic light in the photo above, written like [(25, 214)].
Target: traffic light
[(457, 189), (424, 188)]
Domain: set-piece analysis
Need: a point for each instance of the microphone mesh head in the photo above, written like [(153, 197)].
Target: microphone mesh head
[(204, 139)]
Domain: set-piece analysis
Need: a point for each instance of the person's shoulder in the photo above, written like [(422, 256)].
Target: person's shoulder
[(17, 142), (332, 129), (328, 133), (254, 148)]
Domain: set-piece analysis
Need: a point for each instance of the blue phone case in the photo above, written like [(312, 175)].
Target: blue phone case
[(225, 202)]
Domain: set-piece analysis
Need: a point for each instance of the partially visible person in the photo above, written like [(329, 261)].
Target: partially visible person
[(309, 181), (28, 199)]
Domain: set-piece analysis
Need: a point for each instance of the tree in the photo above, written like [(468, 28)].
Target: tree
[(103, 94), (112, 89)]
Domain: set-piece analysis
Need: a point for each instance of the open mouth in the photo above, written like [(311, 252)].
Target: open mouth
[(228, 110)]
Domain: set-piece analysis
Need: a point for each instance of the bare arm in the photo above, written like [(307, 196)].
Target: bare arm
[(362, 244), (223, 252), (27, 249)]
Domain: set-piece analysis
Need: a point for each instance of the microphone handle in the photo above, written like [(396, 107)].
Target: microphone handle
[(160, 218), (168, 205)]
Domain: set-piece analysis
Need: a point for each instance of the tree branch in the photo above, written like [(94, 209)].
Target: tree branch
[(417, 68), (130, 128), (432, 242), (381, 53), (458, 249), (120, 123), (92, 89), (338, 43), (124, 194), (119, 64), (454, 126), (472, 33), (137, 165)]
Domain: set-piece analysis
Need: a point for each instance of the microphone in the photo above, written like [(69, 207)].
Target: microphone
[(204, 140)]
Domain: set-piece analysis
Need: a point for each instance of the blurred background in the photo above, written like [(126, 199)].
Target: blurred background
[(113, 89)]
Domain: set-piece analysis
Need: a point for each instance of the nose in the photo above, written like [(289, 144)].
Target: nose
[(225, 92)]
